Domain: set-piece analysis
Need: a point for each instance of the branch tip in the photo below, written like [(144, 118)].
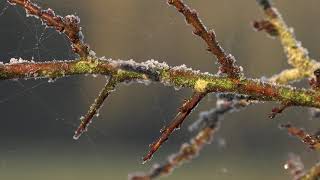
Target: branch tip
[(93, 110), (278, 110), (184, 111)]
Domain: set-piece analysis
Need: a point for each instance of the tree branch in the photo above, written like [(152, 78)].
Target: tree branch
[(179, 76), (312, 140), (298, 57), (227, 62), (94, 108), (69, 25), (184, 111), (202, 83), (312, 174)]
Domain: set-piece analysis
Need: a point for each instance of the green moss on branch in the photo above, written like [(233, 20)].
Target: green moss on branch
[(153, 71)]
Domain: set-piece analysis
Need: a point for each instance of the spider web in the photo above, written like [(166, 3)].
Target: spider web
[(34, 41)]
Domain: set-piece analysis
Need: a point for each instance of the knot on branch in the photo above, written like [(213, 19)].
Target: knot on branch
[(267, 26), (315, 82)]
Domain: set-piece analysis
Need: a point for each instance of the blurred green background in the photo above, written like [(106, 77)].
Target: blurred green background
[(38, 118)]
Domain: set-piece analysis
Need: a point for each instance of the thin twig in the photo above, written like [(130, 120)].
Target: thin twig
[(69, 24), (184, 111), (298, 57), (227, 61), (279, 110), (313, 141), (94, 108)]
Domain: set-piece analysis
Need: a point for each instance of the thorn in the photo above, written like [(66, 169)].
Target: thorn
[(278, 110), (93, 110)]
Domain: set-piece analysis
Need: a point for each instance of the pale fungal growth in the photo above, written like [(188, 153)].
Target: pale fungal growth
[(234, 90), (200, 85)]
